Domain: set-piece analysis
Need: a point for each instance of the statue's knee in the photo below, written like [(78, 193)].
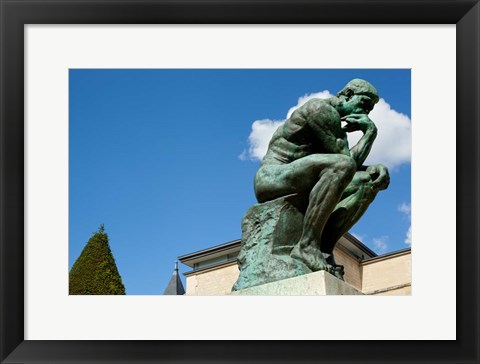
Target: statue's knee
[(363, 181), (363, 178), (346, 166)]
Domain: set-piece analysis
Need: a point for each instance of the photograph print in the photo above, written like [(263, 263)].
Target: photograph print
[(210, 182)]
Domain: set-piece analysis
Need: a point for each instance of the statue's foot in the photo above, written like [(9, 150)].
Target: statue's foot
[(311, 257), (338, 271)]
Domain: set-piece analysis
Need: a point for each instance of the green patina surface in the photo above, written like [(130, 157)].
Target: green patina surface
[(312, 187)]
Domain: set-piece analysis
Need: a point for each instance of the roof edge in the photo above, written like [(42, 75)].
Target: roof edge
[(211, 267), (396, 253), (359, 244), (208, 251)]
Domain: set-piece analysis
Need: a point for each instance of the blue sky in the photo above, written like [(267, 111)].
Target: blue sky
[(166, 158)]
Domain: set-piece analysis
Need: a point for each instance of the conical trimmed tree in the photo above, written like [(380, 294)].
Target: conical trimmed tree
[(95, 271)]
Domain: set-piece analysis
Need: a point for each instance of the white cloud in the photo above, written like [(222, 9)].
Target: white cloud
[(392, 146), (302, 100), (243, 156), (380, 244), (262, 131), (408, 238), (406, 209)]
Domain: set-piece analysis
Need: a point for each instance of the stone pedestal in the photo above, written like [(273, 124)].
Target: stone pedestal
[(314, 284), (269, 232)]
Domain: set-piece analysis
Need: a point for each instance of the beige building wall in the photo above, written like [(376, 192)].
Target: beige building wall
[(353, 270), (220, 280), (217, 281), (388, 275)]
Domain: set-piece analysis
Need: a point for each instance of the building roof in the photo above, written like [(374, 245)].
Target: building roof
[(175, 286), (355, 247), (379, 258), (209, 253)]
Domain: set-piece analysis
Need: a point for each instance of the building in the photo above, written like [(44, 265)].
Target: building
[(215, 270), (174, 286)]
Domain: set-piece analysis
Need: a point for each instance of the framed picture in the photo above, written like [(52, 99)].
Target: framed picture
[(29, 321)]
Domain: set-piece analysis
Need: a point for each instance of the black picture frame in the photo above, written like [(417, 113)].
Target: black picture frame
[(15, 14)]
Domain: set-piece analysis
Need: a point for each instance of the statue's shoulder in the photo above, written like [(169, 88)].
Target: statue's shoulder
[(317, 104), (320, 106)]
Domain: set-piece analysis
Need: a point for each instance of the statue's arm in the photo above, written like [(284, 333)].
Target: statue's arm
[(329, 142), (325, 124), (361, 150)]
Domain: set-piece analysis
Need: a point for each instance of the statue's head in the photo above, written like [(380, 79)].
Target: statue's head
[(357, 97)]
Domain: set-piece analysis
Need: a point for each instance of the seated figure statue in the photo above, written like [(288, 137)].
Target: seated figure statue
[(311, 188), (309, 155)]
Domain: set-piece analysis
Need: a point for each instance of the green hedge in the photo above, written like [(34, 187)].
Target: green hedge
[(95, 271)]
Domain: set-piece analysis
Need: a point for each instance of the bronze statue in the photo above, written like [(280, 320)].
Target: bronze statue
[(309, 165)]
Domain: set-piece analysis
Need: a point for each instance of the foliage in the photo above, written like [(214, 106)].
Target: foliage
[(95, 271)]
